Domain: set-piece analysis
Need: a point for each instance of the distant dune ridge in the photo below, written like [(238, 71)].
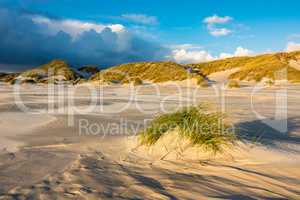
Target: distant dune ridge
[(56, 70), (256, 68), (151, 71)]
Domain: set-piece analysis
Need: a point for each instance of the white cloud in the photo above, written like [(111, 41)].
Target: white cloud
[(219, 32), (212, 22), (186, 56), (292, 46), (141, 19), (185, 46), (73, 27), (215, 19), (197, 56), (240, 51)]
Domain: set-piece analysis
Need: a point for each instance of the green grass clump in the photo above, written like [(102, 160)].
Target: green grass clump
[(200, 79), (202, 128), (137, 81), (270, 82), (204, 84), (233, 84)]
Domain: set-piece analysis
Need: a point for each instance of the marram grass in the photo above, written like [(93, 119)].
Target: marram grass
[(233, 84), (203, 129)]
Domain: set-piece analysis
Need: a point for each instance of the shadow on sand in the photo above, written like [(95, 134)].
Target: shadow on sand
[(261, 133)]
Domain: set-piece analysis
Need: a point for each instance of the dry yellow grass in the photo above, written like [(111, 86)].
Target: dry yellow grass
[(255, 68), (53, 68), (151, 71)]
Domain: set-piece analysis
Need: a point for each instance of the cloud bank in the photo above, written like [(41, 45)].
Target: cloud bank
[(292, 46), (31, 39), (186, 55), (240, 51), (28, 40)]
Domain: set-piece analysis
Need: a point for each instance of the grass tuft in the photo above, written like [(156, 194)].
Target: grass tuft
[(137, 81), (233, 84), (202, 128)]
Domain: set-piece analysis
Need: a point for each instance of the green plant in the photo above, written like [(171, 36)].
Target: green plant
[(233, 84), (202, 128), (137, 81), (51, 70), (204, 84), (200, 79), (270, 82)]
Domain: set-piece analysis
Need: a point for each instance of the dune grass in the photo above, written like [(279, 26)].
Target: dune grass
[(156, 72), (204, 84), (137, 81), (270, 82), (208, 68), (233, 84), (203, 129), (254, 68), (53, 68), (8, 78)]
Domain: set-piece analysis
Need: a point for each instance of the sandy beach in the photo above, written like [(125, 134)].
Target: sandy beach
[(45, 154)]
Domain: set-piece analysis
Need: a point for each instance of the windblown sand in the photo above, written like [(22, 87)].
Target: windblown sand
[(55, 160)]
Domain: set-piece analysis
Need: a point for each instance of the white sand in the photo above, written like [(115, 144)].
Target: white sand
[(13, 124)]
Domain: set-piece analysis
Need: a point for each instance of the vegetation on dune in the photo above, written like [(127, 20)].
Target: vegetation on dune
[(202, 128), (293, 75), (269, 82), (137, 81), (220, 65), (204, 84), (150, 71), (255, 68), (8, 78), (278, 66), (89, 69), (55, 68), (233, 84), (2, 74), (200, 79)]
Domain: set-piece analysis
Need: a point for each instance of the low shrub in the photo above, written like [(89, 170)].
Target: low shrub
[(233, 84), (137, 81), (204, 84), (270, 82)]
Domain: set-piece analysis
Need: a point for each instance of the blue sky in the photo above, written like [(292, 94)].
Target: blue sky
[(186, 31)]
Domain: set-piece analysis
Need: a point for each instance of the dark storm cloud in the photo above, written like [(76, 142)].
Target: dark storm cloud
[(24, 42)]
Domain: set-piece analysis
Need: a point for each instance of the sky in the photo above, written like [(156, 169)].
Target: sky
[(106, 33)]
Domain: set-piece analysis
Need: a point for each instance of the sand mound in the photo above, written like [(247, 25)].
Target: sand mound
[(172, 146), (222, 76)]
